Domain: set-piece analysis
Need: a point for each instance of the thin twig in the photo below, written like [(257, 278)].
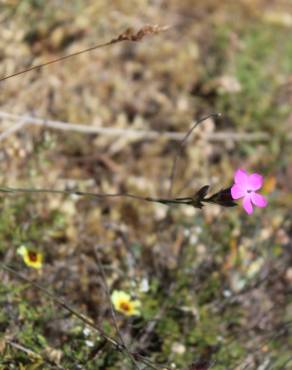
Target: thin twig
[(20, 347), (11, 130), (88, 129), (226, 136)]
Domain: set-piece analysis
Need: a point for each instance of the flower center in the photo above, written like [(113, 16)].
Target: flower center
[(32, 256), (249, 191), (125, 306)]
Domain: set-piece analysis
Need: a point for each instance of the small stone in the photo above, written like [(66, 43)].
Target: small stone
[(178, 348)]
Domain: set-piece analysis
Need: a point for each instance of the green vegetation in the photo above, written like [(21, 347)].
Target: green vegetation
[(213, 283)]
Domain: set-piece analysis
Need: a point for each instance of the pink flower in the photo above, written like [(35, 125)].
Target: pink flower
[(245, 187)]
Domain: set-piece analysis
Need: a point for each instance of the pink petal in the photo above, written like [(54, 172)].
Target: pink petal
[(255, 181), (247, 205), (258, 200), (237, 191), (240, 177)]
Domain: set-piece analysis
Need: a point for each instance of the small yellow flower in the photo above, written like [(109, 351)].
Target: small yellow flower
[(30, 257), (122, 302)]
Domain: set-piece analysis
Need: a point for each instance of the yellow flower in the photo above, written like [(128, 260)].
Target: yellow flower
[(122, 302), (30, 257)]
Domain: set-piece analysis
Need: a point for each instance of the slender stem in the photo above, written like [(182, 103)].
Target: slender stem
[(165, 201), (55, 60), (181, 145)]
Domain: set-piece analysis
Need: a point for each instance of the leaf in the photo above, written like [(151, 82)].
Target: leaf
[(203, 191), (199, 196)]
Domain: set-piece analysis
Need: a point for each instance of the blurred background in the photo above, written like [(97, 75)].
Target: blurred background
[(214, 284)]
